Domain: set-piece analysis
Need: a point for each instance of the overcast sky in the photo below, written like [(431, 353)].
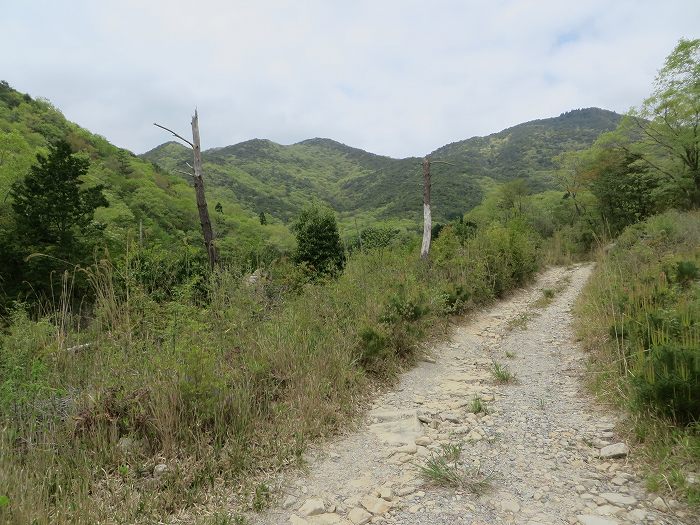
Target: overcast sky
[(393, 77)]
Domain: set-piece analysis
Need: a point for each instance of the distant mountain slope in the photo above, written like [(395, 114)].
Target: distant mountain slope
[(139, 192), (278, 179), (262, 176), (526, 150)]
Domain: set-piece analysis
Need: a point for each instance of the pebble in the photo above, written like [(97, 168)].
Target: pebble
[(618, 450), (312, 507)]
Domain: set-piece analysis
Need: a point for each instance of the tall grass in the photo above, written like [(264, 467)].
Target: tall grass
[(220, 380), (640, 318)]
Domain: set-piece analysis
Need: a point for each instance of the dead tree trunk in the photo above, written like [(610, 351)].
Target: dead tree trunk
[(427, 218), (199, 189), (201, 199)]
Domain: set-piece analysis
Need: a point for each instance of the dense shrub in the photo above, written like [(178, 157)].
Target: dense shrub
[(640, 316), (220, 375), (318, 242)]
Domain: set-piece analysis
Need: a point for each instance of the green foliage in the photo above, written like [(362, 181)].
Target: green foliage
[(377, 237), (672, 115), (25, 358), (625, 189), (639, 316), (318, 242), (656, 307), (49, 201), (52, 226), (371, 188), (223, 383), (501, 373)]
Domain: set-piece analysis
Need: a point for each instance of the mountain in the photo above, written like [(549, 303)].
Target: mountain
[(277, 179), (526, 150), (142, 196), (258, 175)]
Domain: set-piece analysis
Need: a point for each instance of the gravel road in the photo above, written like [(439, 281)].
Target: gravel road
[(549, 452)]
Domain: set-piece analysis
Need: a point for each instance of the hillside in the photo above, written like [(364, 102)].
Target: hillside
[(139, 192), (262, 176), (278, 179)]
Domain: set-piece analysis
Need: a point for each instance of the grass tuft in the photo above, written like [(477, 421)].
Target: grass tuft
[(478, 406), (501, 373), (446, 470)]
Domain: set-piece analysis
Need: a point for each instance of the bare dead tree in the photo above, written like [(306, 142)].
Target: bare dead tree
[(427, 212), (202, 208), (427, 215)]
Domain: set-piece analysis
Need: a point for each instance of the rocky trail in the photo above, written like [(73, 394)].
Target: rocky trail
[(547, 453)]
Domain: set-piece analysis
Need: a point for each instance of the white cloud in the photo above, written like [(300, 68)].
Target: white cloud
[(394, 77)]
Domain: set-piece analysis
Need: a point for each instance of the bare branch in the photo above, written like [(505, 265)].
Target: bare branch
[(184, 172), (178, 136)]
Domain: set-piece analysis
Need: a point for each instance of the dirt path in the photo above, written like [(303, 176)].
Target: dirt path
[(541, 438)]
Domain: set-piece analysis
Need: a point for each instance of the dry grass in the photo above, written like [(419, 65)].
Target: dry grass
[(629, 286), (224, 383)]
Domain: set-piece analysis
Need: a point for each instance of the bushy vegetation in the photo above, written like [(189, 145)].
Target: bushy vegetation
[(319, 247), (217, 379), (135, 382), (640, 318)]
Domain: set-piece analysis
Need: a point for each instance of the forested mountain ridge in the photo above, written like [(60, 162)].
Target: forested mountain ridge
[(260, 176), (279, 179), (142, 196)]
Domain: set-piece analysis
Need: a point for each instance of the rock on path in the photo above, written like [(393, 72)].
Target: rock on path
[(553, 453)]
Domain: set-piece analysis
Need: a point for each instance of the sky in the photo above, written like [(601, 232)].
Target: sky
[(398, 78)]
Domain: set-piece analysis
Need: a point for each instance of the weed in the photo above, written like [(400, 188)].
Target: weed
[(546, 298), (261, 497), (520, 321), (501, 373), (445, 469), (511, 355), (478, 406)]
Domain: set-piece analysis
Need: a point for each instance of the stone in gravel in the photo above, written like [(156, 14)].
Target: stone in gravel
[(618, 499), (328, 519), (159, 469), (424, 418), (617, 480), (589, 519), (386, 493), (312, 507), (509, 505), (618, 450), (359, 516), (607, 510), (296, 520), (451, 417), (423, 441), (406, 449), (375, 505), (660, 504), (636, 515), (289, 502), (405, 491)]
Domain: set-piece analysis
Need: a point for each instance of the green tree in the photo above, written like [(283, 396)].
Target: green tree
[(50, 204), (318, 241), (624, 187), (53, 215), (263, 218), (573, 176), (669, 121), (511, 196)]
